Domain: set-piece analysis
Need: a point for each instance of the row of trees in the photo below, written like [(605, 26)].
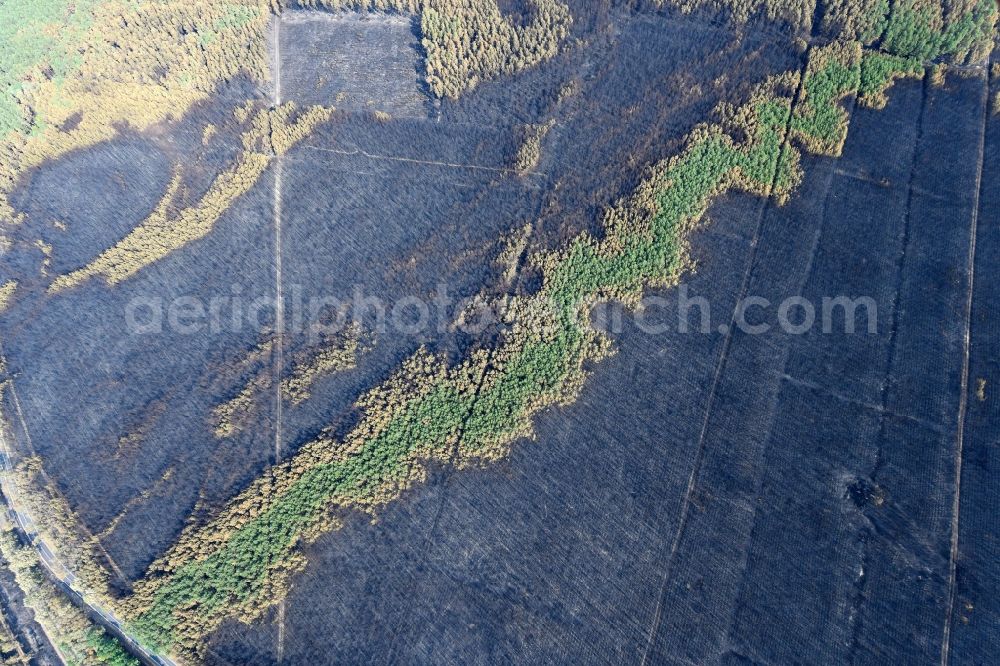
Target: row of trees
[(239, 562), (59, 524), (530, 150), (331, 355), (995, 73), (78, 640), (170, 227), (334, 354)]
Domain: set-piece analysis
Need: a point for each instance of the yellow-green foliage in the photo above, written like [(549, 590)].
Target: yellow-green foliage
[(471, 412), (878, 70), (232, 416), (35, 32), (530, 150), (59, 525), (831, 73), (106, 649), (11, 652), (926, 30), (248, 522), (937, 74), (798, 13), (78, 640), (208, 134), (272, 132), (468, 41), (72, 73), (995, 73), (863, 20), (513, 247), (335, 355), (7, 294), (955, 30)]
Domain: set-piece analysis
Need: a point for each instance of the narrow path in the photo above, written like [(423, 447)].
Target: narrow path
[(411, 160), (279, 307), (710, 403), (279, 313), (963, 399)]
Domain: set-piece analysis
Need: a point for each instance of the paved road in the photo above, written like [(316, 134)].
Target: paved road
[(62, 576)]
